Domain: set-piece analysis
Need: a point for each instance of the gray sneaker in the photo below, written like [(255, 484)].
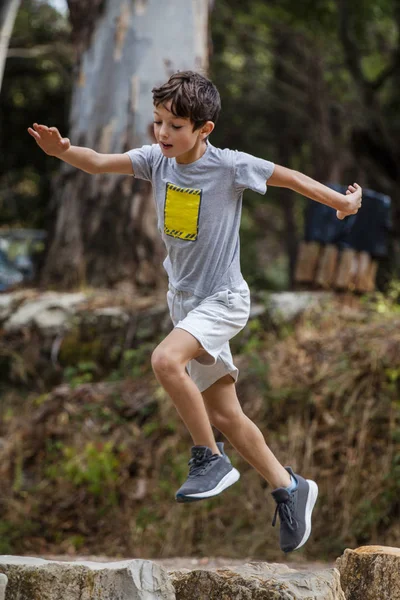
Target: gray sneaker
[(209, 475), (220, 446), (295, 509)]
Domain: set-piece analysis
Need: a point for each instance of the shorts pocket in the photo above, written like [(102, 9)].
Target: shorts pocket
[(226, 297)]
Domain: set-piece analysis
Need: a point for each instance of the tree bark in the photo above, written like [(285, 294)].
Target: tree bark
[(8, 12), (105, 229)]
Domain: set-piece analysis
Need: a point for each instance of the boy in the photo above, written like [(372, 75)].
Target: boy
[(198, 192)]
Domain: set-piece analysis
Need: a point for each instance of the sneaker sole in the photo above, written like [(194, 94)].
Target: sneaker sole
[(230, 478), (311, 500)]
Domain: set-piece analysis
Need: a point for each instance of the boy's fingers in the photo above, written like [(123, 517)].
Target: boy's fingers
[(55, 130), (33, 133), (40, 127)]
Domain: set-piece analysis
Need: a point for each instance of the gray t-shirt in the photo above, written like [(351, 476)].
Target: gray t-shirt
[(199, 207)]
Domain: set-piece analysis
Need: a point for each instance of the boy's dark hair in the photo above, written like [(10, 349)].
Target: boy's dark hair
[(193, 96)]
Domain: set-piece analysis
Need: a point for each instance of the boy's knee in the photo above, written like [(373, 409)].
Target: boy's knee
[(226, 420), (165, 362)]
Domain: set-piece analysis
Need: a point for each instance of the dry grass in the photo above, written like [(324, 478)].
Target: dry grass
[(326, 396)]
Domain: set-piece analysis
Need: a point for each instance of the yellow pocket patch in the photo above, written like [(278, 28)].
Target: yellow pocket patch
[(181, 212)]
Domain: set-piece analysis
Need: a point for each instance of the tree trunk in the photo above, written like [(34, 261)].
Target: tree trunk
[(105, 228), (8, 12), (285, 49)]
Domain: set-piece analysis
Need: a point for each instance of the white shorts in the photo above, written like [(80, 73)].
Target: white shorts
[(213, 321)]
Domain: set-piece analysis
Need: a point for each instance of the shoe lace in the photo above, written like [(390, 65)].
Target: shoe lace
[(199, 465), (285, 510)]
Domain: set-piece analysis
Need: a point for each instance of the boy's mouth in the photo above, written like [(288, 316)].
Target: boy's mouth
[(166, 146)]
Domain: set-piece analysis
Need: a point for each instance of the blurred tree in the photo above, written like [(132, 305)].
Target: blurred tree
[(8, 12), (312, 85), (262, 62), (105, 228), (370, 35), (36, 87)]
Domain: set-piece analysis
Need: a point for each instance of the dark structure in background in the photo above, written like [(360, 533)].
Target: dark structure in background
[(345, 254), (19, 253)]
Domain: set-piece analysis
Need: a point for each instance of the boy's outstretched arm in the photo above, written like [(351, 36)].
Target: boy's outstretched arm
[(344, 204), (51, 142)]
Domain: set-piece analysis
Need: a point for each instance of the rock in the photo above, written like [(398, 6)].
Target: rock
[(261, 581), (285, 307), (370, 573), (8, 303), (51, 311), (38, 579), (114, 314), (3, 584)]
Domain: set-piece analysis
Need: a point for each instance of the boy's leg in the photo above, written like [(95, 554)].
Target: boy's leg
[(169, 360), (210, 471), (226, 415), (295, 501)]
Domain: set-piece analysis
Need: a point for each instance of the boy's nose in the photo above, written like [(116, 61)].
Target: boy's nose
[(163, 133)]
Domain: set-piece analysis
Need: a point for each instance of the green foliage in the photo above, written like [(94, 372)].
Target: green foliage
[(84, 372), (133, 362), (12, 532), (388, 302), (76, 541), (95, 468), (136, 361), (42, 399)]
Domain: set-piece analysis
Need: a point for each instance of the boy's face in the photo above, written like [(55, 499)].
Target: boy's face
[(175, 135)]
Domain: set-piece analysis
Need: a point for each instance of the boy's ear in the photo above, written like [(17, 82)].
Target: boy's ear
[(207, 129)]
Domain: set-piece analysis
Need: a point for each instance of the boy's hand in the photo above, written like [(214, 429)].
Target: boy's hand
[(49, 139), (354, 194)]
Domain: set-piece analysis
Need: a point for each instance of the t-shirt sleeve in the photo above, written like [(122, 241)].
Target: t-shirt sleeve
[(142, 161), (252, 172)]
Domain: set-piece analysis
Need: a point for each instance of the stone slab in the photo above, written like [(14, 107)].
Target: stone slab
[(39, 579), (260, 581)]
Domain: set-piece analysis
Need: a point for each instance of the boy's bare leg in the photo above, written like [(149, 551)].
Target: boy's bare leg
[(168, 361), (226, 415)]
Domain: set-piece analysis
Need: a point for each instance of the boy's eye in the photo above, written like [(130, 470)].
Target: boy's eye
[(173, 126)]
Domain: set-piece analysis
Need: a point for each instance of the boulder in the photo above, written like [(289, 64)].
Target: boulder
[(3, 583), (51, 311), (38, 579), (261, 581), (285, 307), (370, 573), (9, 303)]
